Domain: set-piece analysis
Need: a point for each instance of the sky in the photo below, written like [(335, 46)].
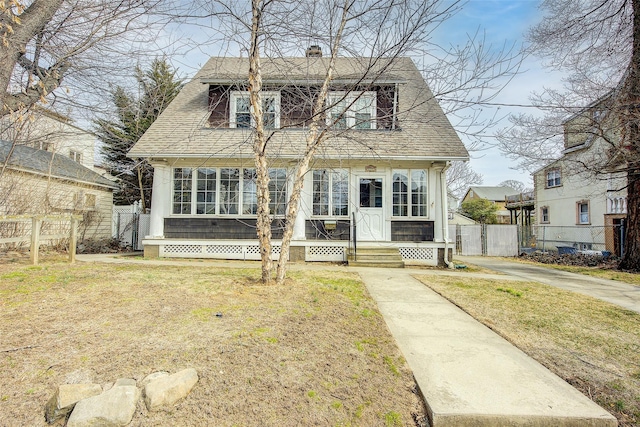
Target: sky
[(502, 22)]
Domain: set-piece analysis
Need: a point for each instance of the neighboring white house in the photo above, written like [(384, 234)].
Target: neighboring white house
[(577, 207), (46, 130), (383, 165)]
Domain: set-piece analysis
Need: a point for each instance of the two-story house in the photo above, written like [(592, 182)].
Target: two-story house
[(379, 178), (581, 197)]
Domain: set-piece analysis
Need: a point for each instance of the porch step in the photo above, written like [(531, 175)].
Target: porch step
[(375, 257)]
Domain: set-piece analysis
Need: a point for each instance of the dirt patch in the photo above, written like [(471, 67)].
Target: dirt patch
[(313, 352), (579, 260)]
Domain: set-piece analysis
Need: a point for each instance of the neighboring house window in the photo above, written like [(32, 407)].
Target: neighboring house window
[(225, 191), (583, 212), (182, 190), (544, 215), (75, 156), (330, 192), (410, 199), (554, 178), (355, 110), (240, 107)]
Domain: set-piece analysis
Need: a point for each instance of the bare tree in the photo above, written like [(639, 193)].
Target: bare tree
[(43, 42), (597, 43), (460, 176)]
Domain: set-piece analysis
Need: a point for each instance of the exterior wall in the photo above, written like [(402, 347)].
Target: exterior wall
[(24, 193), (579, 186)]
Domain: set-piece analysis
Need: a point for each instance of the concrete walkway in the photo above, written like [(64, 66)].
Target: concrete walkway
[(613, 291), (468, 375)]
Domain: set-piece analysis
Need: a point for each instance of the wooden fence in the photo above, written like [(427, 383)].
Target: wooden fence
[(35, 236)]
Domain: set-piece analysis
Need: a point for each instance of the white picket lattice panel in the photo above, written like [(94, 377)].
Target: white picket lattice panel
[(224, 249), (182, 249), (325, 253), (417, 253)]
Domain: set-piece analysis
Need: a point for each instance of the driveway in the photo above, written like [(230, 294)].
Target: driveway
[(615, 292)]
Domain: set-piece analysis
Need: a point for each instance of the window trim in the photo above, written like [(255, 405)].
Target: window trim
[(75, 155), (557, 179), (350, 99), (579, 204), (544, 211), (235, 95), (331, 174), (239, 202), (410, 205)]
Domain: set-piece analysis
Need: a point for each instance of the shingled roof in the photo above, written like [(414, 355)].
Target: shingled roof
[(43, 162), (182, 129)]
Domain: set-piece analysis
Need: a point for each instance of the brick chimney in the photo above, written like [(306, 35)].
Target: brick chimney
[(314, 51)]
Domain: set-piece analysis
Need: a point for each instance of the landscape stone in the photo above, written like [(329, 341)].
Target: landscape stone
[(152, 377), (114, 407), (66, 396), (167, 390)]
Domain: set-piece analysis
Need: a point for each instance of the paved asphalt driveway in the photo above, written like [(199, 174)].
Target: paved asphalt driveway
[(615, 292)]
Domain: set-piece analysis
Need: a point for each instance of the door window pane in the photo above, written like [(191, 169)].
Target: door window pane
[(370, 192)]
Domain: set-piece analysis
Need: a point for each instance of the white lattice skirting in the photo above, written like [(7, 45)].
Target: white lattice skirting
[(419, 254), (325, 253), (225, 251)]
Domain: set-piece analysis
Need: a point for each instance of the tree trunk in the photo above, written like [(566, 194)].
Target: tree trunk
[(142, 199), (263, 221), (631, 256)]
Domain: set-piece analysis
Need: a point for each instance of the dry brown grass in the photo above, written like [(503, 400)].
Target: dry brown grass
[(313, 352), (592, 344)]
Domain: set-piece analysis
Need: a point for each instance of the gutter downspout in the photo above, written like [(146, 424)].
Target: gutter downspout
[(445, 216)]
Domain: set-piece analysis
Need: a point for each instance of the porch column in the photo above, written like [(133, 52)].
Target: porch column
[(441, 220), (299, 229), (160, 199)]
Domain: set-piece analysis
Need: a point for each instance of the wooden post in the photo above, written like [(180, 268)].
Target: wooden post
[(35, 239), (73, 240)]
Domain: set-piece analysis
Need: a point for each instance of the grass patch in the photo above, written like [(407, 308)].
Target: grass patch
[(297, 354), (590, 343)]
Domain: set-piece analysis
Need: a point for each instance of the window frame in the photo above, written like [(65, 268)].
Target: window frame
[(580, 213), (409, 208), (75, 155), (237, 94), (544, 215), (556, 181), (350, 99), (331, 195), (230, 193)]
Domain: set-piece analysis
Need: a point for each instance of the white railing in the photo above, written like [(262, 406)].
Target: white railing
[(616, 205)]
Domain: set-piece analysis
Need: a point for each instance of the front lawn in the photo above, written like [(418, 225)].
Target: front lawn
[(313, 352)]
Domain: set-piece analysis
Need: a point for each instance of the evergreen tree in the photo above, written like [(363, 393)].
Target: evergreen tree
[(133, 116)]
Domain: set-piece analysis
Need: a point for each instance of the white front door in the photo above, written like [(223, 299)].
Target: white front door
[(370, 220)]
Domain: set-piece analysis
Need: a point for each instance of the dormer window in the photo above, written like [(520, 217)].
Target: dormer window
[(356, 110), (240, 108)]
